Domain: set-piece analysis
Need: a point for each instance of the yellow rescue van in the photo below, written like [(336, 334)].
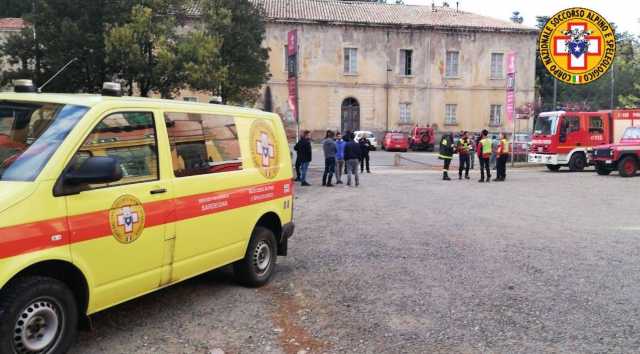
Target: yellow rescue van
[(106, 198)]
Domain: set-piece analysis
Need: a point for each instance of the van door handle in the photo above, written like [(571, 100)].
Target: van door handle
[(159, 191)]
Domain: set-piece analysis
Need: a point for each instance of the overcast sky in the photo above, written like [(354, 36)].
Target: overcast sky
[(624, 13)]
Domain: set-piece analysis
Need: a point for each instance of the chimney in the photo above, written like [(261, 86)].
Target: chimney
[(433, 6), (457, 6)]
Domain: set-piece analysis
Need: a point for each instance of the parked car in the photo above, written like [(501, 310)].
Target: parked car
[(394, 141), (521, 144), (422, 138), (369, 135)]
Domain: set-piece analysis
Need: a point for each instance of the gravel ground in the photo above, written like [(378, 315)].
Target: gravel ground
[(406, 263)]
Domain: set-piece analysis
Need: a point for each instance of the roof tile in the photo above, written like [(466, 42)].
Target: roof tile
[(376, 14), (11, 23)]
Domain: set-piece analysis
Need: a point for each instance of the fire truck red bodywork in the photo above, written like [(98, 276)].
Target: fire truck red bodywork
[(563, 138)]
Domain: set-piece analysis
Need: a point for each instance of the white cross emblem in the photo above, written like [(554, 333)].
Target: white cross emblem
[(562, 46), (265, 149), (128, 218)]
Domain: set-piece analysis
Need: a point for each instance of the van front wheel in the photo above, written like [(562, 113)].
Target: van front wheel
[(257, 266), (37, 315)]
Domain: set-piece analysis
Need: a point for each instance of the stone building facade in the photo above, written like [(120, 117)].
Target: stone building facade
[(386, 67)]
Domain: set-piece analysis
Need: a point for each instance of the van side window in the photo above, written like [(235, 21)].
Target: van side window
[(129, 137), (595, 124), (203, 143)]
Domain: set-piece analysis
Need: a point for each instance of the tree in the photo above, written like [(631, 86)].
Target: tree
[(143, 49), (15, 8), (243, 56), (595, 95), (60, 31)]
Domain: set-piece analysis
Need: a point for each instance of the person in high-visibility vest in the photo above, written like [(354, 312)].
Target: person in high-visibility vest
[(484, 155), (446, 154), (503, 156), (464, 150)]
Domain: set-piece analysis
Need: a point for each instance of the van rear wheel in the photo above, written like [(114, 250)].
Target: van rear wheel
[(37, 315), (258, 264)]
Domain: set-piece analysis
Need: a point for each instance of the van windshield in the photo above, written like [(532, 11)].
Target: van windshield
[(30, 132), (545, 125)]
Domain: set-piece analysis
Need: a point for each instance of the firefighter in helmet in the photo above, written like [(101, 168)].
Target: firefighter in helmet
[(464, 150), (446, 154)]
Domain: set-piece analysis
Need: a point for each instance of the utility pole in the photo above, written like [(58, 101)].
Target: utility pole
[(555, 94), (613, 85)]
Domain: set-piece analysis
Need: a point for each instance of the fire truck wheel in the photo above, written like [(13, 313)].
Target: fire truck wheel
[(578, 162), (257, 266), (628, 166), (37, 315), (553, 168), (602, 169)]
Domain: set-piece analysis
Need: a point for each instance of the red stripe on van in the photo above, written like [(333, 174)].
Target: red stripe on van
[(40, 235)]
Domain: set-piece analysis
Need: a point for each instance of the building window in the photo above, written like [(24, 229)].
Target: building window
[(350, 60), (497, 61), (203, 143), (450, 114), (406, 64), (452, 64), (190, 99), (405, 113), (495, 115), (285, 58)]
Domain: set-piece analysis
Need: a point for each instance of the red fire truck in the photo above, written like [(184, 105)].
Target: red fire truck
[(564, 138), (624, 154)]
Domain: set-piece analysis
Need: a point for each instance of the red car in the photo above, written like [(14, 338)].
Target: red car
[(395, 141), (422, 138)]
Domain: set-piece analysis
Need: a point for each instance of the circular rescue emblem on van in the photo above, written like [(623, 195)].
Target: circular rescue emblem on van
[(126, 218), (264, 148), (577, 46)]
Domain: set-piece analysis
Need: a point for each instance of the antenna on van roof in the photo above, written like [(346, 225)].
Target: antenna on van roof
[(57, 73)]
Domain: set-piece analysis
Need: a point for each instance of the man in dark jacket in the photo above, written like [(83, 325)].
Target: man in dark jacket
[(365, 147), (303, 151), (330, 150), (446, 154), (352, 156)]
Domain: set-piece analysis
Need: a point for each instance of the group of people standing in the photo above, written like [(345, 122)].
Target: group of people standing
[(465, 148), (342, 156)]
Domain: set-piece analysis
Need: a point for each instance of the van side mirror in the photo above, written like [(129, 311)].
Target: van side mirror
[(94, 170)]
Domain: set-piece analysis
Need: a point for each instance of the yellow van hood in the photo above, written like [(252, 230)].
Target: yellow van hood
[(12, 193)]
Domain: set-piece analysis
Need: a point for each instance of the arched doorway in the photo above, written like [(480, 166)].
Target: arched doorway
[(350, 115)]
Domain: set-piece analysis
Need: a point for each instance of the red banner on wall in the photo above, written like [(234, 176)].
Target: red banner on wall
[(292, 61), (511, 85), (293, 97)]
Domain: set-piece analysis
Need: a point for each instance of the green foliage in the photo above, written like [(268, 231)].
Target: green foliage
[(143, 44), (596, 95), (15, 8), (241, 26)]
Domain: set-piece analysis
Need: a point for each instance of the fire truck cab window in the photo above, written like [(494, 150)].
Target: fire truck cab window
[(595, 125), (571, 124), (202, 143)]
